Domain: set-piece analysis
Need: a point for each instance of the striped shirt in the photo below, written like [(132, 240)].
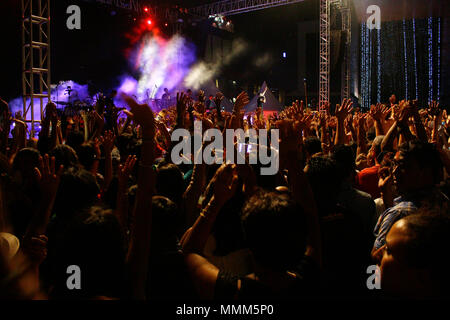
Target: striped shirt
[(404, 206)]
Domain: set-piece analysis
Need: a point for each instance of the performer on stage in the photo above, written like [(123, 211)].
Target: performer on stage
[(165, 98), (262, 99)]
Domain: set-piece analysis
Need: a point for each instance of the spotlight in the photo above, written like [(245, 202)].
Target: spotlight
[(149, 22), (165, 24), (146, 9)]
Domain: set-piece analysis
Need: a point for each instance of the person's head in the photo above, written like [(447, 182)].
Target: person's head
[(375, 150), (23, 165), (345, 160), (50, 110), (87, 155), (64, 155), (312, 146), (322, 175), (417, 165), (78, 189), (275, 230), (393, 99), (166, 90), (75, 139), (93, 241), (127, 145), (415, 258), (165, 221), (170, 182)]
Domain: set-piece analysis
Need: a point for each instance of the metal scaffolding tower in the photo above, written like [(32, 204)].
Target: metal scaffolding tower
[(346, 28), (35, 57), (344, 8), (324, 54), (230, 7), (324, 51)]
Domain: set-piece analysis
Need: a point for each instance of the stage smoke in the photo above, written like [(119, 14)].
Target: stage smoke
[(203, 72), (162, 64)]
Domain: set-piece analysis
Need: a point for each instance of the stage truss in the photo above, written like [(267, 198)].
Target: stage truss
[(35, 57), (231, 7), (324, 54)]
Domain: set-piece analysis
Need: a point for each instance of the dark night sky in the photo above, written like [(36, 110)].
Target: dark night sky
[(269, 31)]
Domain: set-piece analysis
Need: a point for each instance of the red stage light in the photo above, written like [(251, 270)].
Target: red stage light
[(146, 9), (149, 22)]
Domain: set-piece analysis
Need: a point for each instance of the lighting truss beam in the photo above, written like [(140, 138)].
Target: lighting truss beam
[(324, 54), (35, 57), (346, 28), (231, 7)]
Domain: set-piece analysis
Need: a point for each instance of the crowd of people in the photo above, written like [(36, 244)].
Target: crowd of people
[(98, 193)]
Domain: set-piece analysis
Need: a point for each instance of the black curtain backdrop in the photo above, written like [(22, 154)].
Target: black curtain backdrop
[(403, 70)]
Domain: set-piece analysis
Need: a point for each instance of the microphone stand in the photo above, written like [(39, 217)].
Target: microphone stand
[(306, 92)]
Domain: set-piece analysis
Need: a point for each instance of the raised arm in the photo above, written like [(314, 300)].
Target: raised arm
[(194, 191), (361, 135), (122, 199), (48, 178), (301, 189), (341, 113), (377, 115), (194, 240), (137, 258), (108, 144), (5, 116), (420, 129)]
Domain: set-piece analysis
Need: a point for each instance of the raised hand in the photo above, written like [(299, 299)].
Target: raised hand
[(304, 121), (241, 100), (201, 96), (376, 112), (290, 141), (342, 111), (348, 123), (434, 109), (385, 178), (225, 183), (107, 140), (385, 111), (200, 107), (182, 100), (361, 120), (403, 114), (218, 99), (35, 248), (142, 115), (125, 170), (48, 176), (298, 108)]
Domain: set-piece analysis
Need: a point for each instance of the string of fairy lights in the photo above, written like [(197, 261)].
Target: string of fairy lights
[(405, 50), (415, 59), (430, 59), (396, 56), (378, 65), (439, 62)]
